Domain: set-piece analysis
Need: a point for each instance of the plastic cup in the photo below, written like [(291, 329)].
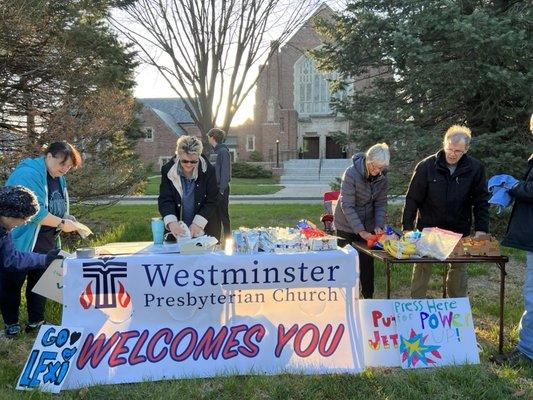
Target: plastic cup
[(158, 230)]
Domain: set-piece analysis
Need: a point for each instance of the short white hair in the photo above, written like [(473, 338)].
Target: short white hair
[(456, 133), (379, 155), (189, 145)]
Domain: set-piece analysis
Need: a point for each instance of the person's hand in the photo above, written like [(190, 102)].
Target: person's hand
[(196, 230), (69, 226), (378, 231), (176, 229), (365, 235), (51, 256), (479, 233)]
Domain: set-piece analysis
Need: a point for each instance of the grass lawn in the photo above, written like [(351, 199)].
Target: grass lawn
[(484, 381), (237, 186)]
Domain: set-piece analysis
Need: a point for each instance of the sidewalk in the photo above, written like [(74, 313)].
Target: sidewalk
[(303, 194), (290, 194)]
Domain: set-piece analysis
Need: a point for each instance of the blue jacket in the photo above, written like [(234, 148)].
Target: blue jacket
[(499, 186), (520, 225), (31, 173), (12, 259)]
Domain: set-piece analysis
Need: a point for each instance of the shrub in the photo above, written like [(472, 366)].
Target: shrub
[(256, 156), (245, 170)]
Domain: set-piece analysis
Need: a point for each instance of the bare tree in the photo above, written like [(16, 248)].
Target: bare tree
[(205, 49)]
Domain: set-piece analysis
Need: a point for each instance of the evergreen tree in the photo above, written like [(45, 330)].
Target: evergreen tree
[(431, 64), (59, 65)]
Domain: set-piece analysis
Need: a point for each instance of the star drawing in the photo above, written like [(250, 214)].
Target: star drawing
[(415, 349)]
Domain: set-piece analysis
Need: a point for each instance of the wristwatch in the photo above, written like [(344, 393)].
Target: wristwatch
[(60, 226)]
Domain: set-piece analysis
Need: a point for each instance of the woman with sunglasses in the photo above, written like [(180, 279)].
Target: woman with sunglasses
[(44, 176), (189, 191)]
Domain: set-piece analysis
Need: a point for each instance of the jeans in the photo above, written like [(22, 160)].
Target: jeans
[(525, 328), (366, 264), (223, 214), (456, 281), (11, 283)]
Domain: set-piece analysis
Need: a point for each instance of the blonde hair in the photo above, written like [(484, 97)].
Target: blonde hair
[(378, 154), (189, 145), (456, 133)]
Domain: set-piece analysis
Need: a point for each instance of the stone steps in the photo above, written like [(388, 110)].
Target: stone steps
[(307, 171)]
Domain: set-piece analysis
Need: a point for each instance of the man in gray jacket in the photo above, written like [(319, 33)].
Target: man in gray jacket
[(222, 161), (362, 207)]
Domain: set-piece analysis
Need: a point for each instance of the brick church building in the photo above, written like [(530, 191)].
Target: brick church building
[(292, 115)]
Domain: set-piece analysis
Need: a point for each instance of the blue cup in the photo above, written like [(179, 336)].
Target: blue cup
[(158, 230)]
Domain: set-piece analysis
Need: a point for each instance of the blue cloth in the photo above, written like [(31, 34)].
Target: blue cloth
[(12, 259), (525, 332), (499, 186), (187, 200), (31, 173)]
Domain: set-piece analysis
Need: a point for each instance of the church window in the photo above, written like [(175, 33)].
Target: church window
[(312, 94)]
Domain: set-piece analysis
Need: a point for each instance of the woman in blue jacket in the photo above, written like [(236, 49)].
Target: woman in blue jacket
[(45, 177), (17, 206)]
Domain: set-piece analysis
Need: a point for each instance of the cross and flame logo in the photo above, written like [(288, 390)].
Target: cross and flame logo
[(104, 274)]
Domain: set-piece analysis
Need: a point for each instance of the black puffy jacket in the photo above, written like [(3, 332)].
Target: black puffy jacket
[(519, 234), (205, 196), (447, 200)]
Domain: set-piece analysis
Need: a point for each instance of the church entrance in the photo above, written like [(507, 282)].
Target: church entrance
[(333, 149), (311, 148)]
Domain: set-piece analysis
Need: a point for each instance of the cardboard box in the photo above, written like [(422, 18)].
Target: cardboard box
[(323, 243), (484, 245)]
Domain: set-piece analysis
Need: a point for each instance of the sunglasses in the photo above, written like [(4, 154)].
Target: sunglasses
[(189, 161)]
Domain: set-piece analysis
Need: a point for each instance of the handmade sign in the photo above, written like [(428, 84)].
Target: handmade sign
[(435, 332), (50, 284), (380, 337), (54, 353), (153, 317)]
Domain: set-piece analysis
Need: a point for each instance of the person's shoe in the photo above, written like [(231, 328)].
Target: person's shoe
[(12, 330), (512, 359), (33, 327)]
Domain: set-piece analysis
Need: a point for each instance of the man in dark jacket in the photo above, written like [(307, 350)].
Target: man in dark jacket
[(519, 236), (445, 190), (223, 173), (188, 192), (17, 206)]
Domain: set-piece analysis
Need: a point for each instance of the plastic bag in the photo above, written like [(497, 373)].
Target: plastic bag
[(437, 243)]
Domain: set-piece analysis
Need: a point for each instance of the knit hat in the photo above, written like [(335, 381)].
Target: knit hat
[(17, 202)]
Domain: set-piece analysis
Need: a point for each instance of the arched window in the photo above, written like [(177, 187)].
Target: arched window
[(311, 92)]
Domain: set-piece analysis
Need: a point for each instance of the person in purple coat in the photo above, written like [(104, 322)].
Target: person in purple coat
[(17, 206)]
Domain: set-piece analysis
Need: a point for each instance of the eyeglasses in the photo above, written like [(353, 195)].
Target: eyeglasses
[(454, 152), (188, 161)]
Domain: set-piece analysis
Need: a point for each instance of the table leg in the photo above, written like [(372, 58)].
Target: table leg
[(387, 273), (502, 301), (444, 276)]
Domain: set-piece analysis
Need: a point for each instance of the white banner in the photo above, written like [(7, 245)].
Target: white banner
[(152, 317)]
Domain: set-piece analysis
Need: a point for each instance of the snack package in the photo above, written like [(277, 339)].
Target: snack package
[(437, 243), (373, 242), (399, 248)]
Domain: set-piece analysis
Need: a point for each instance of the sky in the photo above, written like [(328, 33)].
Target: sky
[(151, 84)]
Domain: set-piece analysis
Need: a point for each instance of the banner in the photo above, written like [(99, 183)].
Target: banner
[(436, 332), (152, 317)]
